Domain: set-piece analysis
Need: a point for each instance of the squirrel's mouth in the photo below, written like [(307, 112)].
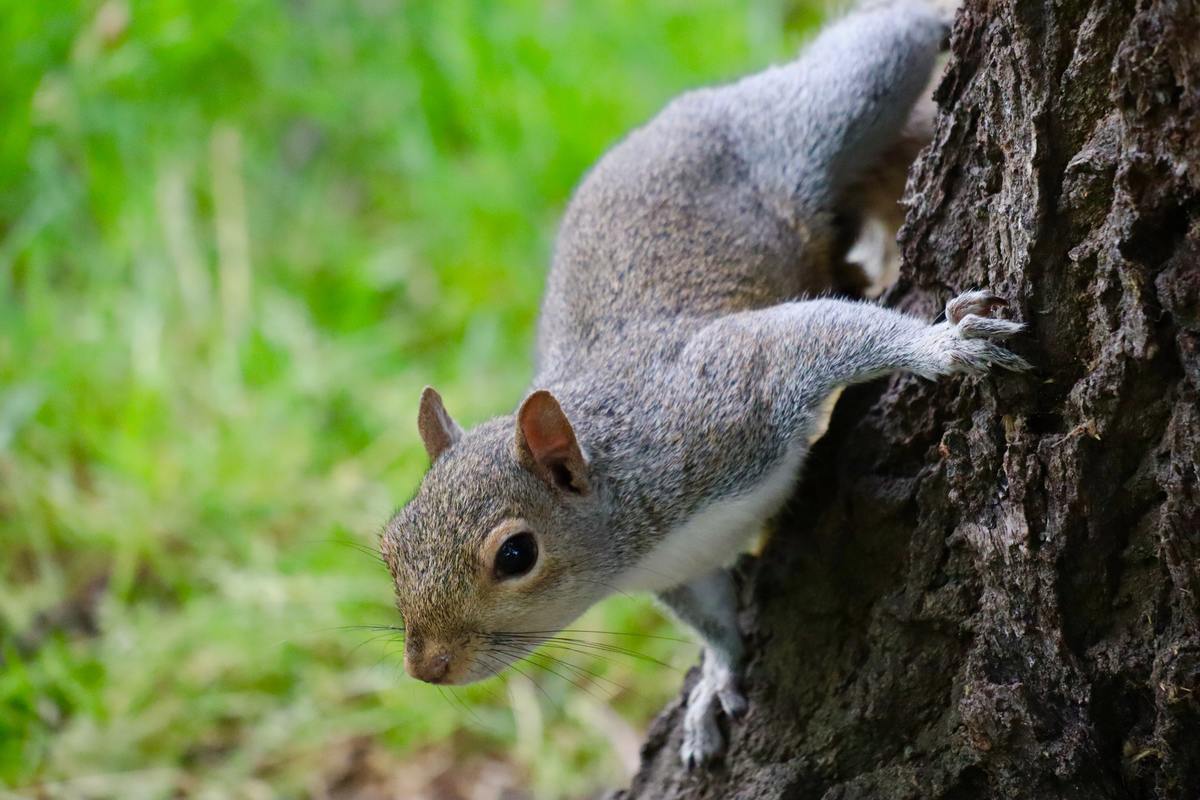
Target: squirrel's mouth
[(459, 659), (483, 656)]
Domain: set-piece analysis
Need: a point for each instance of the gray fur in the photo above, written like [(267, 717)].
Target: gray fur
[(671, 337)]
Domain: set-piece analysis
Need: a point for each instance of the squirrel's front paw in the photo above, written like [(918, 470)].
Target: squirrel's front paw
[(967, 339), (716, 691)]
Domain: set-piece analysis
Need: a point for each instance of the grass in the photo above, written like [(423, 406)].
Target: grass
[(236, 238)]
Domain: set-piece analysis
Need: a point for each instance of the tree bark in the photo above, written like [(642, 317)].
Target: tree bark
[(990, 588)]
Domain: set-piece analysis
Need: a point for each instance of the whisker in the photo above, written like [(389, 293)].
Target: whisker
[(593, 650), (359, 546), (442, 692), (607, 655), (397, 628), (498, 667), (482, 685), (615, 633), (529, 660), (592, 675), (387, 654), (524, 675), (585, 653), (466, 707), (610, 648), (374, 638)]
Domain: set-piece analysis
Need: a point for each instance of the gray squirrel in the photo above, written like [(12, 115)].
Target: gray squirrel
[(678, 380)]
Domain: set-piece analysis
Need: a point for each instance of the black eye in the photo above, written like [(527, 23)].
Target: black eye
[(517, 555)]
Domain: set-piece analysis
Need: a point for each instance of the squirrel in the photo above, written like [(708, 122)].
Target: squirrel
[(678, 379)]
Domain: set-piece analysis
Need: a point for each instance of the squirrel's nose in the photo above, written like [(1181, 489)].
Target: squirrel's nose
[(431, 668)]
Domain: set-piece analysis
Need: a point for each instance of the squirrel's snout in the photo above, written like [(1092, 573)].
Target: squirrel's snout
[(431, 665)]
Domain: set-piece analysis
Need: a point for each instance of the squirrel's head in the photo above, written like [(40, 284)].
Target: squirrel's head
[(496, 551)]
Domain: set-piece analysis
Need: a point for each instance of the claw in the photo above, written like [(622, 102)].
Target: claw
[(715, 692), (972, 335), (973, 326), (980, 303)]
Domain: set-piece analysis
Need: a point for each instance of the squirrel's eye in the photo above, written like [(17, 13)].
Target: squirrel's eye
[(517, 555)]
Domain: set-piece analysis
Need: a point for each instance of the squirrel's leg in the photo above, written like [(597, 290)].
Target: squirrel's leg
[(860, 341), (708, 605), (865, 341), (805, 350)]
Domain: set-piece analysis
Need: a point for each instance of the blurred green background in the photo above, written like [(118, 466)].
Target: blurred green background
[(236, 238)]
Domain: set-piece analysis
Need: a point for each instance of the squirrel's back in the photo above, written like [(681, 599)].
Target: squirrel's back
[(668, 227), (729, 200)]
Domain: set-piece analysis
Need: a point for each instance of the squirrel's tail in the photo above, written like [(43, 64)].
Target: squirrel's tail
[(814, 127)]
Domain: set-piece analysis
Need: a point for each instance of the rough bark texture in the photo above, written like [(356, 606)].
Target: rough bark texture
[(991, 588)]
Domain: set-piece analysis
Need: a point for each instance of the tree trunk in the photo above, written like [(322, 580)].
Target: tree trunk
[(990, 588)]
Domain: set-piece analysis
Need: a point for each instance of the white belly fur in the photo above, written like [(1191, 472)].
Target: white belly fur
[(715, 535)]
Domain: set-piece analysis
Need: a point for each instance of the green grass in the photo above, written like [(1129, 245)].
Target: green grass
[(236, 238)]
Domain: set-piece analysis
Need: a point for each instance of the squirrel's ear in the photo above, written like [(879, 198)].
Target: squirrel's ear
[(438, 429), (546, 444)]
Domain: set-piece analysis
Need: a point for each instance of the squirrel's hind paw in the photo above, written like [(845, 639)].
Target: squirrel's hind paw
[(716, 691)]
